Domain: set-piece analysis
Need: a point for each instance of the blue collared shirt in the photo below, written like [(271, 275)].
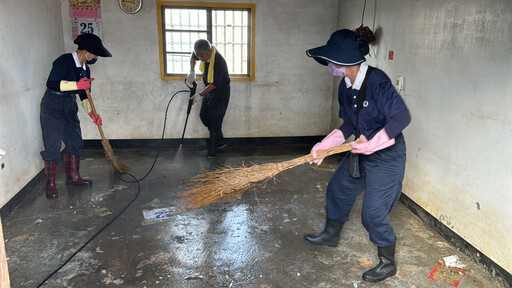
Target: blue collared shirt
[(382, 103)]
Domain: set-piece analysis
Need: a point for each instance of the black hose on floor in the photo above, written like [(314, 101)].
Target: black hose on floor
[(135, 180)]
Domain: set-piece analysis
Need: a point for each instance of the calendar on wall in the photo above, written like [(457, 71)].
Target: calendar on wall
[(87, 9), (81, 26), (85, 17)]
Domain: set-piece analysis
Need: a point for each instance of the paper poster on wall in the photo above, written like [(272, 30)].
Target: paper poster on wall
[(88, 9), (81, 26)]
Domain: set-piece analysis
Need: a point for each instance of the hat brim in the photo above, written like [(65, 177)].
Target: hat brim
[(325, 54), (99, 50)]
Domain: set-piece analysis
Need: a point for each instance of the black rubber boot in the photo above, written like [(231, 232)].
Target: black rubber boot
[(386, 267), (330, 236)]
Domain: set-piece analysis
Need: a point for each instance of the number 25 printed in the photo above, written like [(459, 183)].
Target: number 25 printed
[(86, 28)]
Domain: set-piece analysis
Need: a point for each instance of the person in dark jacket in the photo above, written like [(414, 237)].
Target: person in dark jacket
[(69, 77), (376, 163), (215, 96)]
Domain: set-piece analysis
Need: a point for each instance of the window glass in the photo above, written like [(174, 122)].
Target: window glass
[(227, 28)]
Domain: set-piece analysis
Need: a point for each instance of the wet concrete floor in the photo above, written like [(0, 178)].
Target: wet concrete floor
[(256, 241)]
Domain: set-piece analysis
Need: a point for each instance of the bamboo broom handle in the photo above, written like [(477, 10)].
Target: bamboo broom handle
[(334, 150), (308, 158), (94, 112)]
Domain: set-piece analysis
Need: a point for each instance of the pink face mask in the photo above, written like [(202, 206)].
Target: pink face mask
[(336, 71)]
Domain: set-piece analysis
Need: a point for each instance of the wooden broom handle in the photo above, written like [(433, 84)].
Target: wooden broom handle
[(94, 112), (321, 154), (334, 150)]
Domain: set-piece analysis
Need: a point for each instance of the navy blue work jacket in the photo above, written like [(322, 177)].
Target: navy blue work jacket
[(382, 102)]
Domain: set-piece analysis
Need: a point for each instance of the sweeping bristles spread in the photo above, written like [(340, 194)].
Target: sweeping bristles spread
[(229, 183)]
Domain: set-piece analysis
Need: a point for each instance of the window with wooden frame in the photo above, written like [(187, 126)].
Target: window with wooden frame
[(228, 26)]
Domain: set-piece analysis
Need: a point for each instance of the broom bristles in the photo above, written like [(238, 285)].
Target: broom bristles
[(120, 167), (229, 183)]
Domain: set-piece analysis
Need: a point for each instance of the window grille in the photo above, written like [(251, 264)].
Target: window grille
[(229, 27)]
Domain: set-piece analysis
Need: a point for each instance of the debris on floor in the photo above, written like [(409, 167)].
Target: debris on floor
[(448, 270), (452, 261), (193, 276), (365, 263), (109, 279), (158, 258), (118, 187), (99, 195), (103, 211), (155, 215)]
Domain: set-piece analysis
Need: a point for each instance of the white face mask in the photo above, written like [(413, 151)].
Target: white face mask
[(336, 71)]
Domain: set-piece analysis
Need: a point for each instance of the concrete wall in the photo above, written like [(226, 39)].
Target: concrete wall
[(30, 40), (131, 97), (456, 57)]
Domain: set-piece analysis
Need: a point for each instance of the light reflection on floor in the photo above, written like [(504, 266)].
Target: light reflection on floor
[(238, 247), (190, 232)]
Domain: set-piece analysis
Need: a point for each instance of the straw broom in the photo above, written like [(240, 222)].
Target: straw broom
[(229, 183), (121, 168)]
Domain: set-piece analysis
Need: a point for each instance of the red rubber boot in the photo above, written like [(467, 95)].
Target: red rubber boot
[(51, 188), (72, 167)]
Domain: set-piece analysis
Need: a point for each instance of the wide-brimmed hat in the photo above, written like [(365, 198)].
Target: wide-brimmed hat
[(344, 48), (93, 44)]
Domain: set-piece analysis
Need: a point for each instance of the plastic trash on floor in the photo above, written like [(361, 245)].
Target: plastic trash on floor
[(448, 270), (156, 215)]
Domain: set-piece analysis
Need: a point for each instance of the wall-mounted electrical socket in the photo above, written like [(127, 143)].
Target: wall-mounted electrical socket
[(2, 154), (400, 82)]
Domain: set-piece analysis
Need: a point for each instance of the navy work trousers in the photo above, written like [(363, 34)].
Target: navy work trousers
[(381, 178), (212, 113), (60, 123)]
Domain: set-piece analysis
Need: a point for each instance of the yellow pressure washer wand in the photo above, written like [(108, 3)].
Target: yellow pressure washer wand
[(190, 103)]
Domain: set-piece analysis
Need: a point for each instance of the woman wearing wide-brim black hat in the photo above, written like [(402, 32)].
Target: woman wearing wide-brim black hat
[(69, 77), (374, 112)]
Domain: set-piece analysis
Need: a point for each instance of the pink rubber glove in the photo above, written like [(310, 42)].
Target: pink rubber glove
[(334, 139), (96, 121), (378, 142), (84, 83)]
